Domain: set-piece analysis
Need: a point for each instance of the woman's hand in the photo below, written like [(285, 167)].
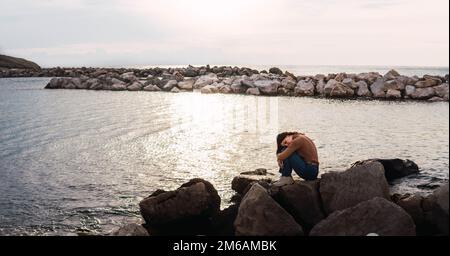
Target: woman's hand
[(280, 163)]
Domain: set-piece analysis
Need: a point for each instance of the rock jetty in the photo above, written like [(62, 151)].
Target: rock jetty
[(355, 202), (226, 79)]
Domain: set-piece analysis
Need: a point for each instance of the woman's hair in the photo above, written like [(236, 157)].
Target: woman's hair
[(281, 137)]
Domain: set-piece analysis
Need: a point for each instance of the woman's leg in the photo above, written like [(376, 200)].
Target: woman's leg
[(304, 170)]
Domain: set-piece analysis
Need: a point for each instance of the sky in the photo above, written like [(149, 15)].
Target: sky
[(235, 32)]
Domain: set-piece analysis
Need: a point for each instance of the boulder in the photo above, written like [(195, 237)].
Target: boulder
[(225, 89), (428, 83), (239, 183), (435, 209), (391, 74), (436, 99), (412, 204), (442, 91), (119, 87), (289, 83), (394, 85), (260, 215), (131, 230), (378, 89), (136, 86), (152, 88), (376, 215), (129, 77), (186, 85), (275, 71), (205, 80), (393, 168), (393, 94), (267, 87), (170, 85), (320, 88), (340, 190), (175, 90), (304, 88), (209, 89), (302, 200), (422, 93), (363, 89), (54, 83), (253, 91), (193, 203), (340, 90)]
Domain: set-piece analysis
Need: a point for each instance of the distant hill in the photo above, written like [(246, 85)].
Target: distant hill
[(12, 62)]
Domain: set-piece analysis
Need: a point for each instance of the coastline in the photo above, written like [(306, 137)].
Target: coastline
[(235, 80)]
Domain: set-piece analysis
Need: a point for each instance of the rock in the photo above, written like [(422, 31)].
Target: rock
[(17, 63), (183, 210), (289, 83), (119, 87), (393, 94), (191, 72), (320, 88), (428, 83), (136, 86), (436, 99), (409, 90), (340, 77), (435, 209), (275, 71), (394, 85), (442, 91), (376, 215), (394, 168), (340, 190), (209, 89), (131, 230), (260, 215), (422, 93), (363, 89), (259, 171), (302, 201), (94, 84), (378, 89), (223, 223), (152, 88), (129, 77), (175, 90), (239, 183), (340, 90), (304, 88), (267, 87), (412, 204), (370, 77), (54, 83), (186, 85), (170, 85), (391, 74), (225, 89), (253, 91), (205, 80)]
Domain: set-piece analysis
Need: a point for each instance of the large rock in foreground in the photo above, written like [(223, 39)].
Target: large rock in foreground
[(435, 208), (260, 215), (377, 215), (17, 63), (182, 210), (341, 190)]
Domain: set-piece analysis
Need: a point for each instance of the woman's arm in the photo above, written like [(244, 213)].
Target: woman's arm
[(294, 146)]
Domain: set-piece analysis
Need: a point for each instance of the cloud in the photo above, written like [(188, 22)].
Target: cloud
[(366, 32)]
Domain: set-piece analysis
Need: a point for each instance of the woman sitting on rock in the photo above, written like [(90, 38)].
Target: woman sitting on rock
[(296, 151)]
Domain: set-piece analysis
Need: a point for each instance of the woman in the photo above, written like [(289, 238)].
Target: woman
[(298, 152)]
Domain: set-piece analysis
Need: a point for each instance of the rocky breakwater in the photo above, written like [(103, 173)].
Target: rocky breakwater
[(355, 202), (390, 86)]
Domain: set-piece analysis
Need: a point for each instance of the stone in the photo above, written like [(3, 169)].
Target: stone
[(394, 168), (119, 87), (136, 86), (442, 91), (175, 90), (302, 201), (393, 94), (225, 89), (205, 80), (376, 215), (253, 91), (423, 93), (240, 182), (304, 88), (412, 204), (128, 77), (427, 83), (260, 215), (436, 99), (131, 230), (391, 74), (363, 89), (152, 88), (288, 83), (170, 85), (209, 89), (193, 203), (394, 85), (267, 87), (186, 85), (341, 190), (435, 209), (342, 91), (378, 88), (320, 88), (409, 90), (276, 71)]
